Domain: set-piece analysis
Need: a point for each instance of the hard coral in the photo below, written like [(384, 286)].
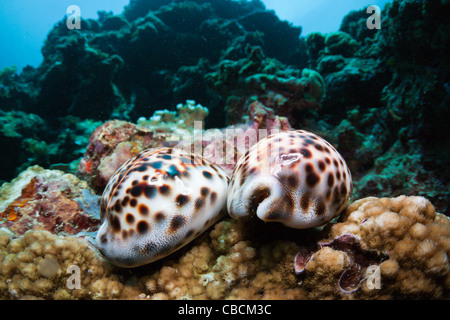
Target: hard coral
[(48, 200), (239, 260), (413, 238), (183, 117), (116, 141), (267, 80), (37, 266), (110, 145), (340, 43), (354, 260), (227, 266)]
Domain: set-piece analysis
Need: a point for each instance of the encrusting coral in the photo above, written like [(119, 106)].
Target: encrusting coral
[(40, 199), (241, 260)]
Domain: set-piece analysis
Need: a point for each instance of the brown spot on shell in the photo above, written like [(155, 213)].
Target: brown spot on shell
[(164, 189), (117, 206), (136, 191), (181, 200), (343, 190), (290, 180), (143, 209), (320, 207), (318, 147), (336, 195), (115, 223), (283, 211), (330, 179), (322, 165), (125, 201), (199, 203), (305, 201), (213, 197), (129, 218), (204, 191), (336, 164), (149, 191), (328, 195), (306, 153), (189, 233), (312, 179), (207, 174), (176, 223), (159, 216), (142, 227)]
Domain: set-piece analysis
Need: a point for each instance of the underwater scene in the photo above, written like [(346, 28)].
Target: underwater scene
[(212, 150)]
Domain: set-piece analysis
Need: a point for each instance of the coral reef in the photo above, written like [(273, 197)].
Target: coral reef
[(37, 266), (19, 131), (24, 136), (170, 121), (125, 66), (116, 141), (364, 90), (238, 260), (414, 238), (112, 45), (385, 101), (111, 89), (268, 81)]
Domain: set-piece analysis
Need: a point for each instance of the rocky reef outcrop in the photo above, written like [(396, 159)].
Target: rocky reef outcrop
[(124, 83)]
